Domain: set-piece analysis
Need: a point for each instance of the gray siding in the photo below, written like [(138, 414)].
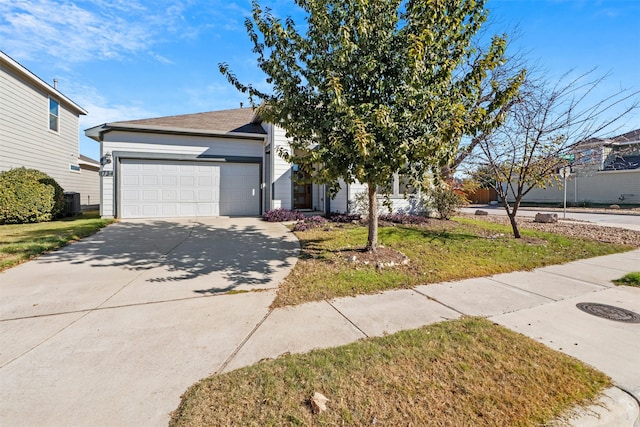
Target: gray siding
[(87, 183), (25, 138)]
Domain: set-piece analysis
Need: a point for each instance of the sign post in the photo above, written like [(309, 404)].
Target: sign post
[(564, 173)]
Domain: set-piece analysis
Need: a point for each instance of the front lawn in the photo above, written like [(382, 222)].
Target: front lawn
[(439, 251), (463, 372), (22, 242)]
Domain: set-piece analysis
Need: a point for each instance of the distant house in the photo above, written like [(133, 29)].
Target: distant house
[(603, 171), (39, 129), (217, 163)]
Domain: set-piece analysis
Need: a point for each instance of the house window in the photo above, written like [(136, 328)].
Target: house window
[(399, 186), (74, 168), (54, 115)]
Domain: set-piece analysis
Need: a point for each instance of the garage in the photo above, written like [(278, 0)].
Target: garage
[(164, 188)]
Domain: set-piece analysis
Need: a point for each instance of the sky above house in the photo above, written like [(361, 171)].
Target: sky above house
[(135, 59)]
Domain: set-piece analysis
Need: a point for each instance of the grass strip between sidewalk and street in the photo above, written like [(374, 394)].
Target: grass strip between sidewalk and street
[(631, 279), (22, 242), (462, 372), (439, 251)]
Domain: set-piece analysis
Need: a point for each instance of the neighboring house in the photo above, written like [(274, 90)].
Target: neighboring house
[(39, 129), (219, 163), (603, 171)]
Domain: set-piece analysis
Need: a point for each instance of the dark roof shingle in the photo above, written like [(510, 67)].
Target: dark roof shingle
[(242, 120)]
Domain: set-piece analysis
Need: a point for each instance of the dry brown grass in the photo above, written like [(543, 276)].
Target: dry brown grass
[(467, 372)]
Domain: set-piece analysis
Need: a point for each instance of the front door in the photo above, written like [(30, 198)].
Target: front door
[(301, 189)]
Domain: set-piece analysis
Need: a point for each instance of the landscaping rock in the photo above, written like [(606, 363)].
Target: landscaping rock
[(546, 218), (481, 212), (614, 207), (493, 203)]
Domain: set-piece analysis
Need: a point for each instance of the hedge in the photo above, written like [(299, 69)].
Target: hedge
[(28, 195)]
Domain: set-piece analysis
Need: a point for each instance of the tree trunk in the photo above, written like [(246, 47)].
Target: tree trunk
[(372, 239), (514, 224), (511, 213)]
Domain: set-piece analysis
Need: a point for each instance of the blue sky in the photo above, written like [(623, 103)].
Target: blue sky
[(134, 59)]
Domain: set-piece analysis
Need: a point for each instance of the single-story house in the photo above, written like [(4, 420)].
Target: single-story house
[(219, 163), (603, 171), (40, 130)]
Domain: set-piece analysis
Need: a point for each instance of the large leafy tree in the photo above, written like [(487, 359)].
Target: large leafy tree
[(368, 88)]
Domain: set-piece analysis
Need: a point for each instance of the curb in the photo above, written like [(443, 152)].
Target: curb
[(615, 407)]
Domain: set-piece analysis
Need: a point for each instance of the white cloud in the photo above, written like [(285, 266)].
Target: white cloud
[(83, 30), (101, 110)]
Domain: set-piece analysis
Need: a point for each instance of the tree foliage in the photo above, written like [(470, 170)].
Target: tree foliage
[(368, 88)]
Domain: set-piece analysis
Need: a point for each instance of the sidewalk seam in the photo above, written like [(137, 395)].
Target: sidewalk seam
[(347, 319), (493, 279), (439, 302), (235, 352)]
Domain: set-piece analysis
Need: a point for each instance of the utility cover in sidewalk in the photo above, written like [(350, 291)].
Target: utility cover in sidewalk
[(609, 312)]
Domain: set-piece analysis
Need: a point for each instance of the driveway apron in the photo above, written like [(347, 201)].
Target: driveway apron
[(112, 329)]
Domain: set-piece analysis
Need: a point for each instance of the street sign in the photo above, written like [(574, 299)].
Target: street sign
[(564, 172)]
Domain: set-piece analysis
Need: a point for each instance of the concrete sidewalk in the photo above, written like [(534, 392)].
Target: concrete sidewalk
[(540, 304)]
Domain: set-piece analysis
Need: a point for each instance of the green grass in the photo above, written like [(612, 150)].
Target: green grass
[(631, 279), (22, 242), (438, 252), (463, 372)]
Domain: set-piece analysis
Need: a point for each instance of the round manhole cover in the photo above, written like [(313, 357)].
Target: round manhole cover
[(609, 312)]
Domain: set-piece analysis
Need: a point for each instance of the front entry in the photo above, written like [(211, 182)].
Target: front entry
[(301, 189)]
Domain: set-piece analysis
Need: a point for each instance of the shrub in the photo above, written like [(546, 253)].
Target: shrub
[(401, 218), (282, 214), (446, 200), (28, 195), (344, 218), (360, 203), (309, 223)]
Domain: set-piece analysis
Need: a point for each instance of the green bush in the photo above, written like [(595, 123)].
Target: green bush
[(446, 200), (28, 195)]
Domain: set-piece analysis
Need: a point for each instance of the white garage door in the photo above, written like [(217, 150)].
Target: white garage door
[(159, 188)]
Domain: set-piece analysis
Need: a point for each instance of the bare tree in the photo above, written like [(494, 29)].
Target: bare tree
[(541, 132)]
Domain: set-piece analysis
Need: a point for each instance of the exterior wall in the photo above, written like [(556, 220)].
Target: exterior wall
[(344, 201), (25, 138), (281, 184), (168, 145), (339, 203), (606, 187), (87, 183)]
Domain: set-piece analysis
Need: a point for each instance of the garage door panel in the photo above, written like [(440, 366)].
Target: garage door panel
[(155, 188), (169, 196)]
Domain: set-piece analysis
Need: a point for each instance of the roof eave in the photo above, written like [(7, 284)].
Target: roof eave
[(97, 132), (42, 84)]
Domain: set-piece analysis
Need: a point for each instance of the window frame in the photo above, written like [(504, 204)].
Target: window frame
[(51, 115)]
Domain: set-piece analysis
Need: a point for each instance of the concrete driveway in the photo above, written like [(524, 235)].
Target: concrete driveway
[(111, 330)]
